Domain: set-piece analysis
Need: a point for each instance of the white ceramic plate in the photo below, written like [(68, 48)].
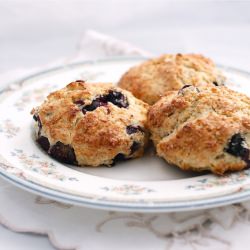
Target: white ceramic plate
[(148, 184)]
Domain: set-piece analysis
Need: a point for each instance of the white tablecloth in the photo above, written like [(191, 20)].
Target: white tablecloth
[(34, 34)]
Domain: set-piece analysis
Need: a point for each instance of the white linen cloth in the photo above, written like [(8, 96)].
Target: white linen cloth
[(77, 228)]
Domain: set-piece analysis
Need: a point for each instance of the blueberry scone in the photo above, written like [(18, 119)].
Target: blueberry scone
[(91, 124), (205, 128), (153, 78)]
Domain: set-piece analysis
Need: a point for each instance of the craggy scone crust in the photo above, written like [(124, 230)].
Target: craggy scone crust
[(91, 124), (205, 128), (152, 79)]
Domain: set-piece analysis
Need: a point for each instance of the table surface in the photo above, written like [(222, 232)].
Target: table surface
[(34, 33)]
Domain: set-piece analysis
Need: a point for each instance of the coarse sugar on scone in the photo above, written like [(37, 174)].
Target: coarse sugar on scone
[(153, 78), (91, 124), (202, 128)]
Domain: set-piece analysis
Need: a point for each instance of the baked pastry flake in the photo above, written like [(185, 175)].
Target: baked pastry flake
[(91, 124), (202, 128), (151, 80)]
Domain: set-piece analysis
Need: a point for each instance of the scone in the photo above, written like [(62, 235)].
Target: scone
[(205, 128), (150, 80), (91, 124)]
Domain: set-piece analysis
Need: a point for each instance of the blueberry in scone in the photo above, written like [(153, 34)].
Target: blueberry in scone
[(202, 128), (91, 124), (150, 80)]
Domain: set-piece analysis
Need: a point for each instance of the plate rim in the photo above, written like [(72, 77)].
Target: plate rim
[(238, 195), (178, 206)]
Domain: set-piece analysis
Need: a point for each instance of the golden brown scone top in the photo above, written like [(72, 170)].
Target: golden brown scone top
[(92, 124), (202, 128), (151, 80)]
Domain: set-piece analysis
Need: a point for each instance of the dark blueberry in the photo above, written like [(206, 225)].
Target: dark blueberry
[(134, 129), (184, 87), (98, 102), (134, 147), (37, 119), (237, 147), (79, 102), (39, 123), (119, 157), (114, 97), (44, 142), (63, 153), (216, 83), (117, 98)]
